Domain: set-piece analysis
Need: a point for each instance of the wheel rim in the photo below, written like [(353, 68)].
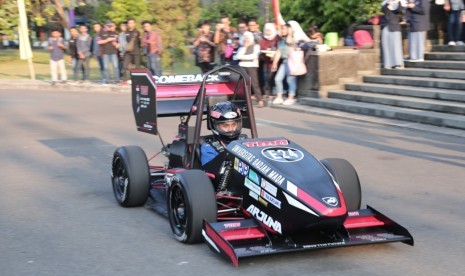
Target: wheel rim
[(120, 180), (178, 209)]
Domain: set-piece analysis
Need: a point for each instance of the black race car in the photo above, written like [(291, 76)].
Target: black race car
[(267, 196)]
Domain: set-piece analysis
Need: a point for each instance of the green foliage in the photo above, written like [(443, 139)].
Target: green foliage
[(235, 9), (100, 12), (174, 20), (121, 10), (330, 16), (8, 17)]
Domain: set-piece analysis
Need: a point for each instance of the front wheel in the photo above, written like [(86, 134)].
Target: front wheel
[(347, 178), (191, 199), (130, 176)]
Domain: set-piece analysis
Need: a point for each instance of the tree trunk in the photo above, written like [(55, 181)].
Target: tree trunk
[(61, 13)]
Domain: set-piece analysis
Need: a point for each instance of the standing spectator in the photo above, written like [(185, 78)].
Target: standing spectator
[(97, 50), (83, 47), (132, 50), (438, 21), (254, 28), (391, 37), (223, 38), (268, 44), (242, 28), (248, 59), (152, 48), (454, 7), (418, 15), (57, 49), (109, 44), (205, 47), (281, 57), (122, 42), (73, 52)]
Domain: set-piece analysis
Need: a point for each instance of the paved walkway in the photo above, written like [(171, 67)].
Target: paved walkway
[(95, 87)]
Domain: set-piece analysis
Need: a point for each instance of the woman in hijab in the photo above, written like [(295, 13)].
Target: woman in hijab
[(391, 37), (268, 46), (248, 59)]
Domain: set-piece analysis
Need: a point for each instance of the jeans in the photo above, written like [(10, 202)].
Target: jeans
[(75, 64), (113, 60), (83, 63), (283, 72), (101, 67), (153, 63), (453, 27), (128, 60)]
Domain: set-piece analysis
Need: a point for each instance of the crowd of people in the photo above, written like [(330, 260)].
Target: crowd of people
[(116, 51), (264, 55)]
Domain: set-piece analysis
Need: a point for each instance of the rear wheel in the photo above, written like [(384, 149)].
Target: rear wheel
[(130, 176), (347, 178), (191, 199)]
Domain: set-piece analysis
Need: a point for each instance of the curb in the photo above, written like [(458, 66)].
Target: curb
[(81, 87)]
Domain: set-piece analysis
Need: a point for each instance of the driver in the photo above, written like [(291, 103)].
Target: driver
[(226, 123)]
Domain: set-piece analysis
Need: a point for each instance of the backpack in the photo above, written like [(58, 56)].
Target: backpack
[(363, 39)]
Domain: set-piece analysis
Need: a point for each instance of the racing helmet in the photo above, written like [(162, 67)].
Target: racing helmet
[(224, 112)]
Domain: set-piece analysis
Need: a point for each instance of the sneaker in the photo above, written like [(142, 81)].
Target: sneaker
[(278, 101), (451, 43), (460, 43), (289, 102)]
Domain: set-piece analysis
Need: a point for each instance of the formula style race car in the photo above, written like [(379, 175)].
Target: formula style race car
[(268, 196)]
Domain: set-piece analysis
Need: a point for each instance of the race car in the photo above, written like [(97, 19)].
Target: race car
[(268, 196)]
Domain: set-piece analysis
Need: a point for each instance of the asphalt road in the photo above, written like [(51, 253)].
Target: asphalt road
[(58, 215)]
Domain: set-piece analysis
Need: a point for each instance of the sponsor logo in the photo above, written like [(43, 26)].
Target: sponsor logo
[(230, 115), (263, 217), (253, 195), (281, 142), (283, 154), (271, 199), (171, 79), (353, 214), (232, 225), (242, 168), (144, 90), (263, 201), (252, 186), (269, 187), (331, 201), (215, 114), (276, 177), (254, 177)]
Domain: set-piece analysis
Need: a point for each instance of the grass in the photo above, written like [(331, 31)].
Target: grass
[(12, 68)]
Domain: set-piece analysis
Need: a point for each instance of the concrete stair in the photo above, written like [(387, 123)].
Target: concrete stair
[(430, 92)]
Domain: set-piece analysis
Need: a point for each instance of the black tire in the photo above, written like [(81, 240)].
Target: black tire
[(191, 199), (347, 178), (130, 176)]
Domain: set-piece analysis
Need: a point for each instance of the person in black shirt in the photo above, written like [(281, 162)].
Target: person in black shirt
[(73, 52), (109, 43), (132, 49)]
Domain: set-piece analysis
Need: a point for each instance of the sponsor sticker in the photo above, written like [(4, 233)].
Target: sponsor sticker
[(254, 177), (331, 201), (283, 154), (253, 195), (230, 115), (243, 168), (215, 114), (271, 199), (281, 142), (262, 201), (263, 217), (144, 90), (269, 187), (292, 188), (252, 186), (236, 164), (232, 225)]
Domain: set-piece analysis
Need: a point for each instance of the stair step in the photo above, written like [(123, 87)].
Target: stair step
[(437, 64), (447, 48), (412, 81), (400, 101), (428, 73), (445, 56), (412, 115), (409, 91)]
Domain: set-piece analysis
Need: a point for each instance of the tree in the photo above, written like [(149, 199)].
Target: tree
[(236, 10), (330, 16), (175, 20), (121, 10), (8, 16)]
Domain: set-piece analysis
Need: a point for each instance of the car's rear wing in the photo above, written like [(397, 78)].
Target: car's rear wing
[(176, 95)]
